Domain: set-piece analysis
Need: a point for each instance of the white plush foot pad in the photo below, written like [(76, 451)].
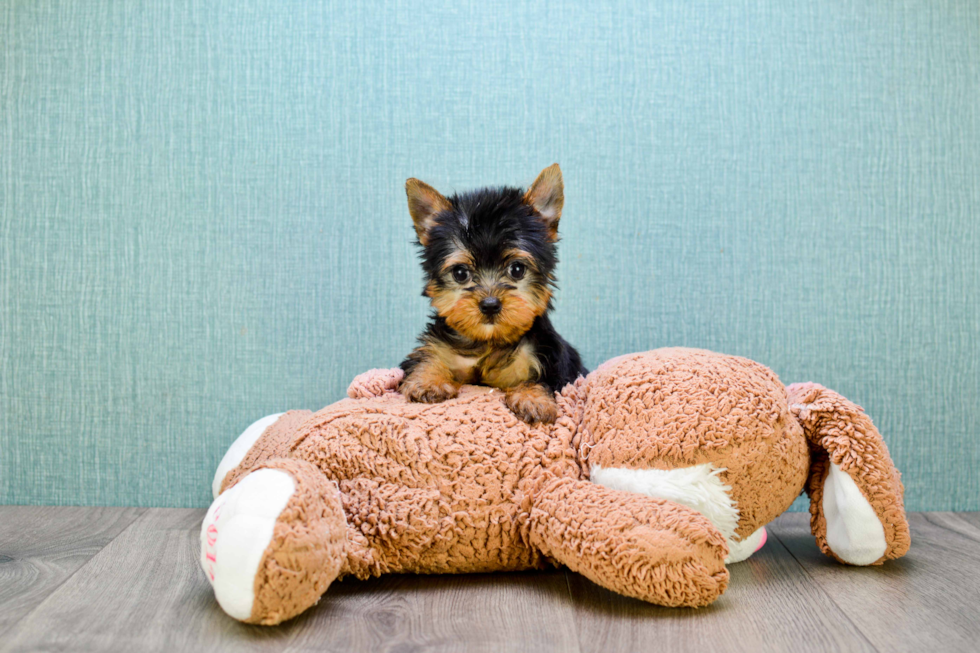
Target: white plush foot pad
[(236, 452), (236, 532), (743, 549), (853, 530)]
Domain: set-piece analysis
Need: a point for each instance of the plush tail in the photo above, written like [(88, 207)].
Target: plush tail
[(856, 509)]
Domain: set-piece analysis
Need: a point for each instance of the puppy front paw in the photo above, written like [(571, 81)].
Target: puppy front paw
[(533, 404), (428, 390)]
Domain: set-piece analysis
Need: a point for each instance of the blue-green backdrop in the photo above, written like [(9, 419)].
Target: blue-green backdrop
[(203, 216)]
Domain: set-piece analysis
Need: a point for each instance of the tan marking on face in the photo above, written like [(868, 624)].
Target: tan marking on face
[(521, 300), (518, 312), (462, 312), (443, 299), (519, 308), (459, 257), (517, 254)]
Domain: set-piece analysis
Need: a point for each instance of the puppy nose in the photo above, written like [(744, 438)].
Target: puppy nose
[(489, 306)]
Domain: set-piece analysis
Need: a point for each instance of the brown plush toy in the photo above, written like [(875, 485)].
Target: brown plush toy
[(661, 468)]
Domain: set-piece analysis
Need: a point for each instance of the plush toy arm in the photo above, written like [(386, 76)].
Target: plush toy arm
[(375, 383), (650, 549), (856, 510)]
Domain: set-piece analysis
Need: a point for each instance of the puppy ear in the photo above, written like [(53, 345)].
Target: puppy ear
[(547, 196), (424, 204)]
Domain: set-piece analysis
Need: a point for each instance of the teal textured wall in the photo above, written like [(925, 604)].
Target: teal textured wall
[(203, 218)]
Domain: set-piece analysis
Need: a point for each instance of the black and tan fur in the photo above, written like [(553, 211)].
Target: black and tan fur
[(489, 258)]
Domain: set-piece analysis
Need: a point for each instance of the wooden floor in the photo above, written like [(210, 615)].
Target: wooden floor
[(127, 579)]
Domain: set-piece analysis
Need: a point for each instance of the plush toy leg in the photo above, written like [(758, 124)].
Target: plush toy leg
[(236, 452), (856, 507), (698, 487), (651, 549), (273, 542), (266, 438)]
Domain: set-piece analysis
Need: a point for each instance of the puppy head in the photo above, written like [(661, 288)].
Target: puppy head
[(489, 255)]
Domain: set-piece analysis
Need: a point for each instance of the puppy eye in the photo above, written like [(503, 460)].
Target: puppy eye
[(461, 274), (517, 270)]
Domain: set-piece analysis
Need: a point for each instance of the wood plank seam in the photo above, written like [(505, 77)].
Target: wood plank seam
[(12, 626), (571, 606), (806, 572)]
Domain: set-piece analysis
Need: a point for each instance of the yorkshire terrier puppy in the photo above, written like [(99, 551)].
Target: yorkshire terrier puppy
[(489, 257)]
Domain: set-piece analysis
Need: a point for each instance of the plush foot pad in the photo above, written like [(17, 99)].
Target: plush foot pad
[(236, 533), (273, 542), (743, 549)]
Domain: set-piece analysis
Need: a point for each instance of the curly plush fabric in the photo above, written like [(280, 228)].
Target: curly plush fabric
[(840, 432), (650, 549), (307, 548), (375, 383), (672, 408), (427, 488), (388, 486)]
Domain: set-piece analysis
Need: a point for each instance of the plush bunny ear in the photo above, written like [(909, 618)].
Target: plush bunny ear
[(856, 509)]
